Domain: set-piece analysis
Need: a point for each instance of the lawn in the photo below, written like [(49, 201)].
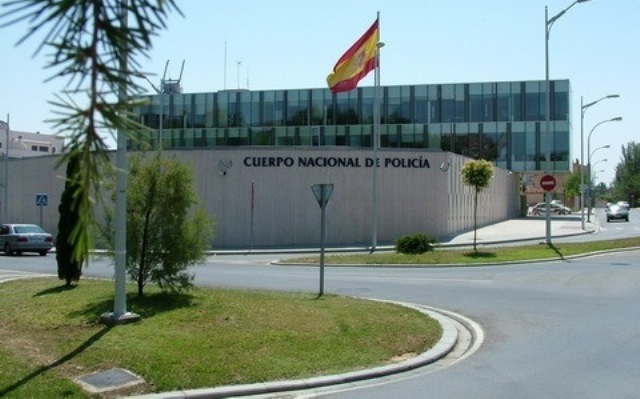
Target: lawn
[(204, 338), (497, 254)]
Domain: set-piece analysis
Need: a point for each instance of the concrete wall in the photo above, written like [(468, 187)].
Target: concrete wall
[(262, 197)]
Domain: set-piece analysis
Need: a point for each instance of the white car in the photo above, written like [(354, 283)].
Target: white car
[(623, 204), (19, 238), (541, 209)]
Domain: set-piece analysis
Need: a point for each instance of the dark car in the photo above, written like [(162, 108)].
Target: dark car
[(615, 211), (19, 238)]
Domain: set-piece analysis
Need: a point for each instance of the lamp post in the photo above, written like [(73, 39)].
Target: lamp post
[(590, 168), (592, 178), (548, 24), (616, 119), (120, 315), (5, 204), (583, 110), (595, 176)]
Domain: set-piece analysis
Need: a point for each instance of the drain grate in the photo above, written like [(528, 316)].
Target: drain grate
[(109, 380)]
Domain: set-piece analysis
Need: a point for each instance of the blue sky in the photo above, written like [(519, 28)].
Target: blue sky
[(286, 44)]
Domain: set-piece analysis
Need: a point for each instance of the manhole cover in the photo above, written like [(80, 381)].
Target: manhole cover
[(109, 380)]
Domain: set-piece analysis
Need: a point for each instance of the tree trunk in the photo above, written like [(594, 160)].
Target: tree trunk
[(475, 220)]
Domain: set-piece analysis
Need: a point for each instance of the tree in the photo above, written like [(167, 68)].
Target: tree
[(88, 44), (572, 184), (69, 266), (165, 234), (627, 180), (477, 174)]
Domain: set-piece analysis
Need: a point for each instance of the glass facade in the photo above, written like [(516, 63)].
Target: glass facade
[(503, 122)]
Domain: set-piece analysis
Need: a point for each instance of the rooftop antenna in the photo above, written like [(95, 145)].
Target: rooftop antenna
[(155, 88), (161, 92), (238, 63), (172, 86), (224, 83)]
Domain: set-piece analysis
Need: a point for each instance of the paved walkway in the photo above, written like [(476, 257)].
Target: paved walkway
[(531, 228)]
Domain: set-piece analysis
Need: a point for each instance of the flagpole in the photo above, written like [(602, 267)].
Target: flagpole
[(376, 142)]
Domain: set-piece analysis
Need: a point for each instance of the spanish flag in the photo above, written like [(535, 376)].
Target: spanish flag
[(356, 62)]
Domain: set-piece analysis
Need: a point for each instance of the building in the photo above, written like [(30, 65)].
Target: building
[(503, 122), (25, 144), (256, 155), (262, 197)]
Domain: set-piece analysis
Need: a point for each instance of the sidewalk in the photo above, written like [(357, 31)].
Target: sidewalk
[(531, 228)]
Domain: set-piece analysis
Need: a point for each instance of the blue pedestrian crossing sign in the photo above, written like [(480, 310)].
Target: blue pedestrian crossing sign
[(42, 199)]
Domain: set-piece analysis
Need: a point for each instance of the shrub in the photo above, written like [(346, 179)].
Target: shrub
[(415, 244)]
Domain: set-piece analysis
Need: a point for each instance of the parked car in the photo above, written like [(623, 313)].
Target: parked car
[(19, 238), (623, 204), (617, 212), (541, 209)]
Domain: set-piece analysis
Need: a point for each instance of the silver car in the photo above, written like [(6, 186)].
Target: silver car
[(19, 238), (541, 209), (617, 212)]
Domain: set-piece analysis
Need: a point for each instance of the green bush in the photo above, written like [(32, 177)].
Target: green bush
[(417, 243)]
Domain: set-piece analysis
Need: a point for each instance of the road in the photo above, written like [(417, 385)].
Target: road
[(562, 329)]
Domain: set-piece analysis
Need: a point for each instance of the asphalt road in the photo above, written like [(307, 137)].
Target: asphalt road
[(562, 329)]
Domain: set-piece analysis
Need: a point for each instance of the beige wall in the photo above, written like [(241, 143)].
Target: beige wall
[(415, 194)]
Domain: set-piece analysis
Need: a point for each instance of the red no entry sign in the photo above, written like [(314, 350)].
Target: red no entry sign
[(548, 182)]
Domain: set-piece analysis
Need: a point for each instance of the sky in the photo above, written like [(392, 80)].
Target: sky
[(293, 44)]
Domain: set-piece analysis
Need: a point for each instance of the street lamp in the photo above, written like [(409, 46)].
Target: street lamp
[(5, 205), (592, 178), (590, 168), (616, 119), (583, 110), (548, 23)]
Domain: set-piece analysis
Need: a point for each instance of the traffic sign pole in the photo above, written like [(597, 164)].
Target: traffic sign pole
[(322, 193), (548, 183), (42, 200)]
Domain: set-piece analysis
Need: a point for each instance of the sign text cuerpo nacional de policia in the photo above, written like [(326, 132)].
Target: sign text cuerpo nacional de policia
[(419, 162)]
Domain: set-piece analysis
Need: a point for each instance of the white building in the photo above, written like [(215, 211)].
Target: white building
[(261, 196), (25, 144)]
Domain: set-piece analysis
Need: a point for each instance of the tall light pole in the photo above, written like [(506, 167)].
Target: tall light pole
[(5, 204), (592, 175), (548, 23), (120, 315), (589, 169), (583, 110), (616, 119), (595, 175)]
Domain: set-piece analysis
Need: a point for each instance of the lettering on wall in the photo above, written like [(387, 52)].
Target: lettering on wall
[(336, 162)]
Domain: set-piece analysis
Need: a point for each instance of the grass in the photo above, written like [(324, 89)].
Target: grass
[(205, 338), (502, 254)]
